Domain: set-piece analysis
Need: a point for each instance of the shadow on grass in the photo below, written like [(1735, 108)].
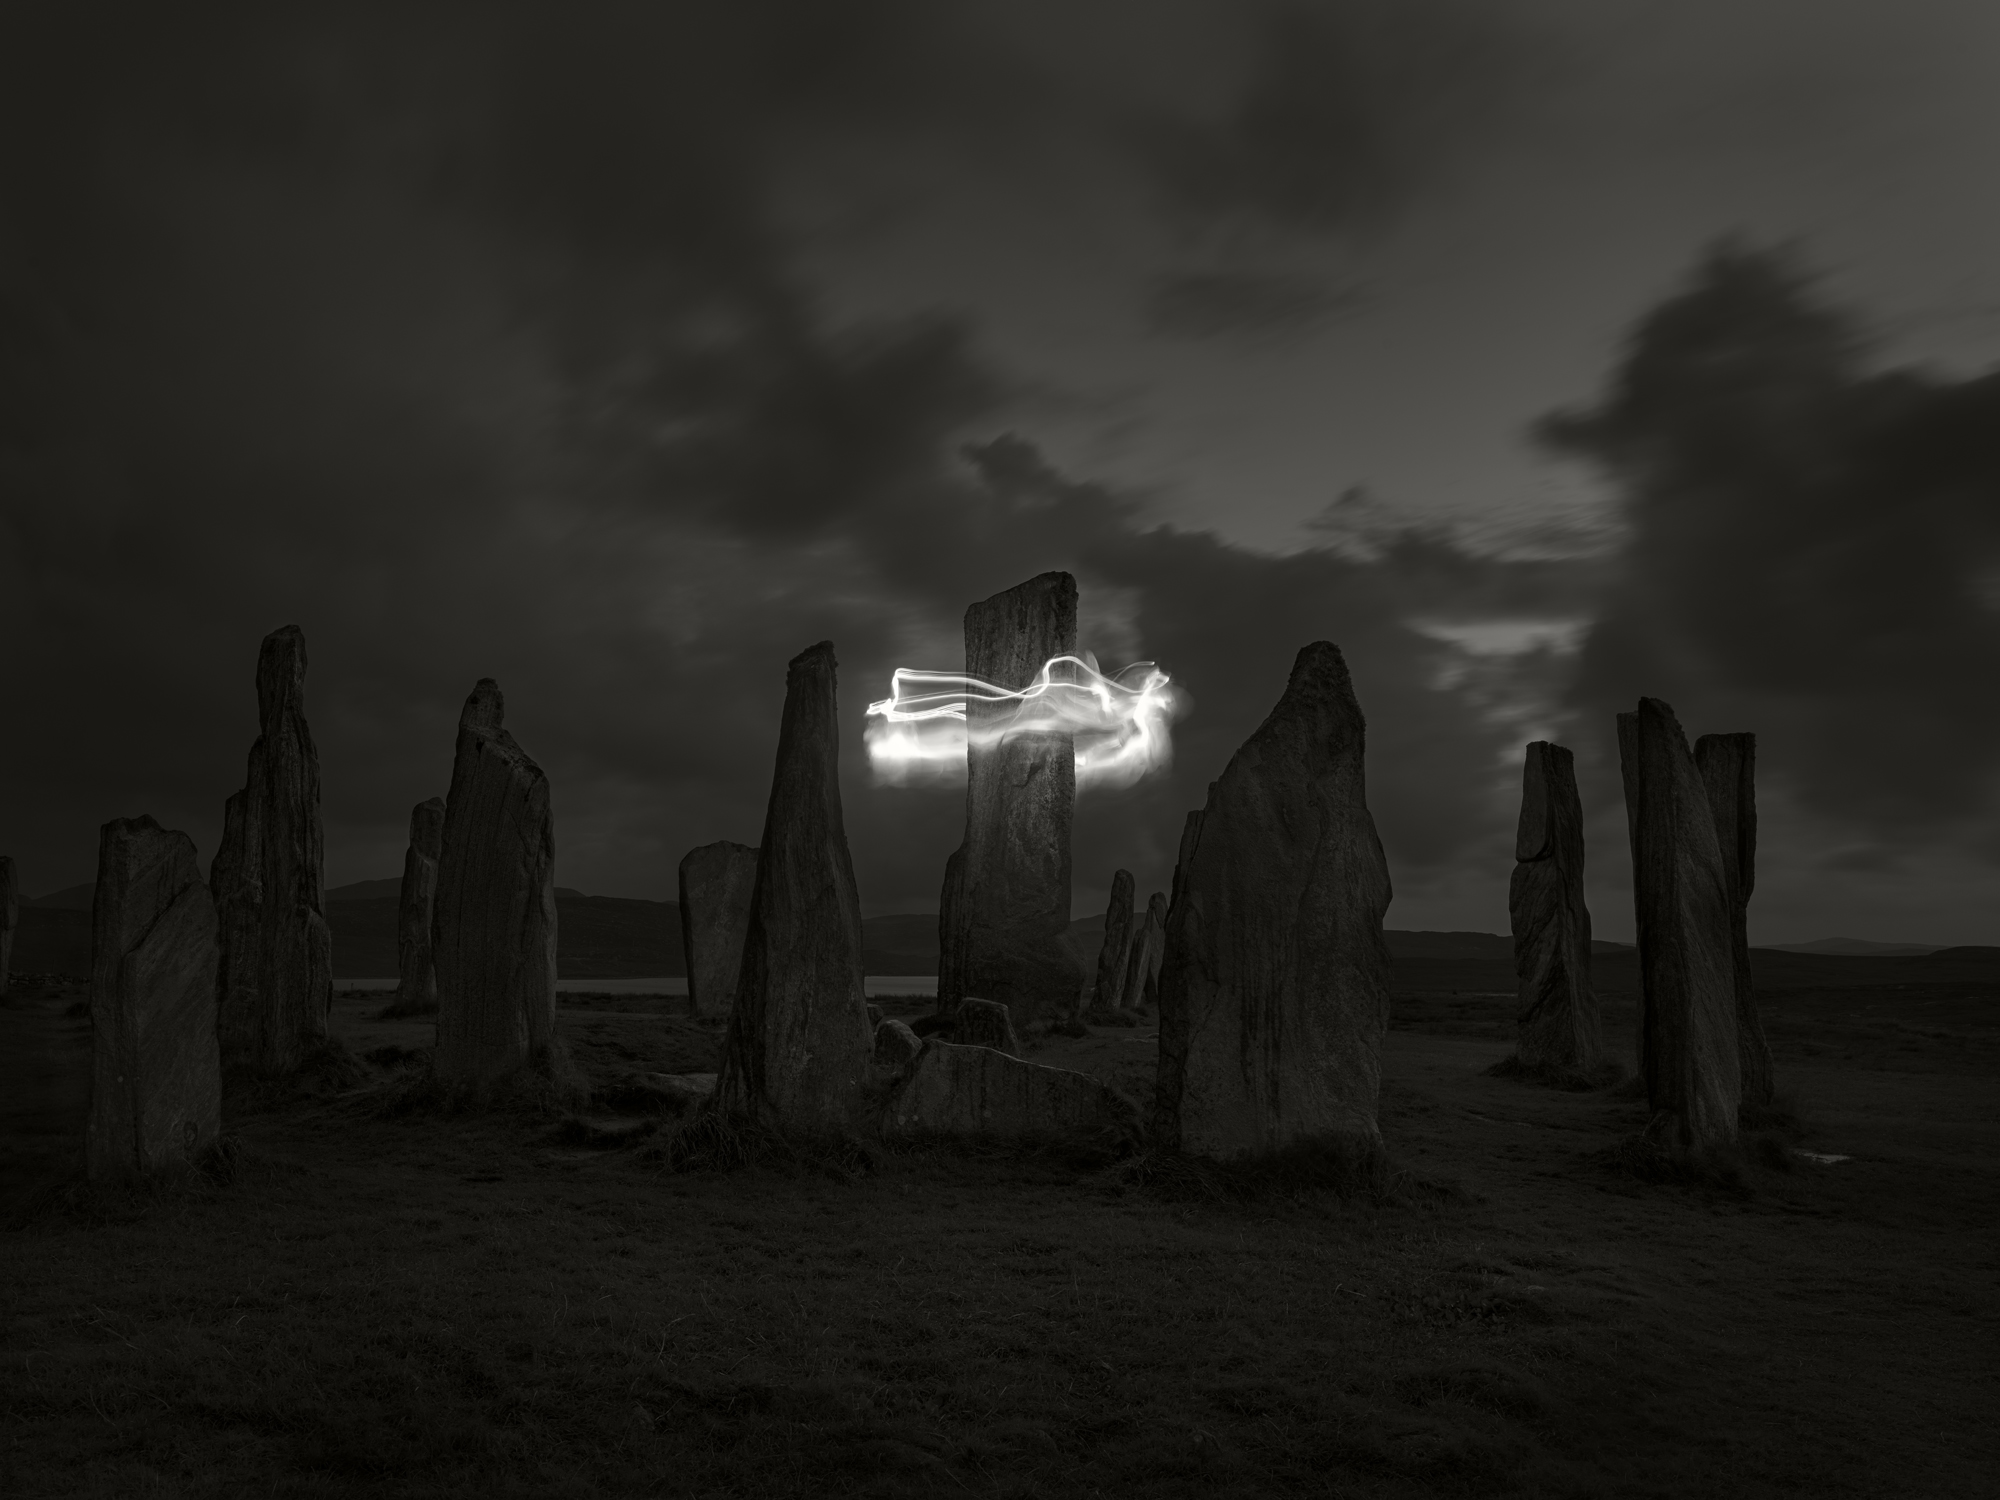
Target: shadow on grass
[(1350, 1170), (1570, 1080), (68, 1193)]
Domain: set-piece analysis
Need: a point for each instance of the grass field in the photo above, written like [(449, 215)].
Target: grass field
[(386, 1304)]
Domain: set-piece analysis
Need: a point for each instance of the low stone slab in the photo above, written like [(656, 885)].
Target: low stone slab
[(985, 1023), (957, 1090), (716, 882)]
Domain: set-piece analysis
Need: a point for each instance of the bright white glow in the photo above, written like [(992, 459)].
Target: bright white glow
[(1120, 724)]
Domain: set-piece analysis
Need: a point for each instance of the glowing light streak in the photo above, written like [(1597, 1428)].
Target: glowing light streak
[(1120, 725)]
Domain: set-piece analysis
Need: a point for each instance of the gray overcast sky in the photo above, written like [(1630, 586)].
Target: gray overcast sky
[(620, 352)]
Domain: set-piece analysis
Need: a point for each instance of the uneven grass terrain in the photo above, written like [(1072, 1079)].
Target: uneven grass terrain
[(416, 1304)]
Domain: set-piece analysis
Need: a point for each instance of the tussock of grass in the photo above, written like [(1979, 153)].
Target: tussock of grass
[(1569, 1080), (328, 1071), (633, 1095), (549, 1088)]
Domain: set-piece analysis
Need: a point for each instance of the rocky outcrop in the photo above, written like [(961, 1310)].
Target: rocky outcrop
[(1557, 1014), (799, 1043), (985, 1023), (1728, 767), (275, 983), (716, 882), (1114, 957), (956, 1090), (10, 916), (156, 1071), (1274, 992), (1142, 969), (1005, 908), (1680, 892), (416, 984), (895, 1045), (493, 919)]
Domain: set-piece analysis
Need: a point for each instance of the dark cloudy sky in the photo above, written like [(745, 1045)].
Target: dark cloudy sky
[(1541, 353)]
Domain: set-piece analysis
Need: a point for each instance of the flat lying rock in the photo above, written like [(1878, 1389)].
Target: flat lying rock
[(1114, 957), (1728, 766), (417, 979), (895, 1045), (156, 1070), (716, 882), (493, 920), (268, 880), (1687, 978), (1556, 1009), (799, 1044), (1274, 993), (985, 1023), (956, 1090)]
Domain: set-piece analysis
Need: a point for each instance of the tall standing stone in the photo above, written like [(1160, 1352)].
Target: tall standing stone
[(493, 920), (1005, 909), (10, 916), (1274, 994), (1557, 1012), (1680, 893), (416, 975), (1115, 955), (156, 1071), (799, 1043), (275, 982), (716, 882), (1142, 969), (1728, 766)]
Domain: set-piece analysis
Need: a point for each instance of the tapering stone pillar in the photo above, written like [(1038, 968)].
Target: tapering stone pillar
[(1142, 970), (1114, 957), (416, 984), (1680, 890), (1274, 993), (716, 882), (1560, 1029), (1728, 766)]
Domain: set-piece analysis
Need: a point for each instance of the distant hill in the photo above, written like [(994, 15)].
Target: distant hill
[(1858, 947), (71, 898), (363, 890)]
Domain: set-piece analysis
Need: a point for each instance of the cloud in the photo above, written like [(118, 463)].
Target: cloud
[(1257, 305)]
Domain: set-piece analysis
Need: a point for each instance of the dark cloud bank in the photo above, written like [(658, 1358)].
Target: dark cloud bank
[(474, 342)]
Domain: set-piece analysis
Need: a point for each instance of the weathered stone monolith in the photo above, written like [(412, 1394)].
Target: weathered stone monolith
[(952, 1089), (1680, 895), (493, 919), (1274, 994), (985, 1023), (275, 982), (1108, 993), (799, 1044), (416, 984), (1728, 766), (156, 1070), (1142, 969), (1005, 909), (1561, 1033), (716, 881), (10, 916)]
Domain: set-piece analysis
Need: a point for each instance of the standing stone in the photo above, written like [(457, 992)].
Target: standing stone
[(493, 920), (417, 977), (156, 1071), (799, 1043), (1560, 1028), (1142, 970), (1004, 912), (715, 885), (1274, 995), (10, 916), (275, 982), (1680, 894), (1115, 956), (1728, 766)]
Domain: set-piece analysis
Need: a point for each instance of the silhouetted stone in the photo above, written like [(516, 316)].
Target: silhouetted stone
[(1142, 969), (799, 1043), (493, 919), (156, 1071), (895, 1045), (1108, 993), (716, 881), (10, 916), (417, 979), (1728, 766), (985, 1023), (1005, 909), (275, 982), (1274, 993), (1560, 1028), (953, 1089), (1680, 894)]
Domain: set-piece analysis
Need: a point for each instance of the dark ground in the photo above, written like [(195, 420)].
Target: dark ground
[(481, 1306)]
